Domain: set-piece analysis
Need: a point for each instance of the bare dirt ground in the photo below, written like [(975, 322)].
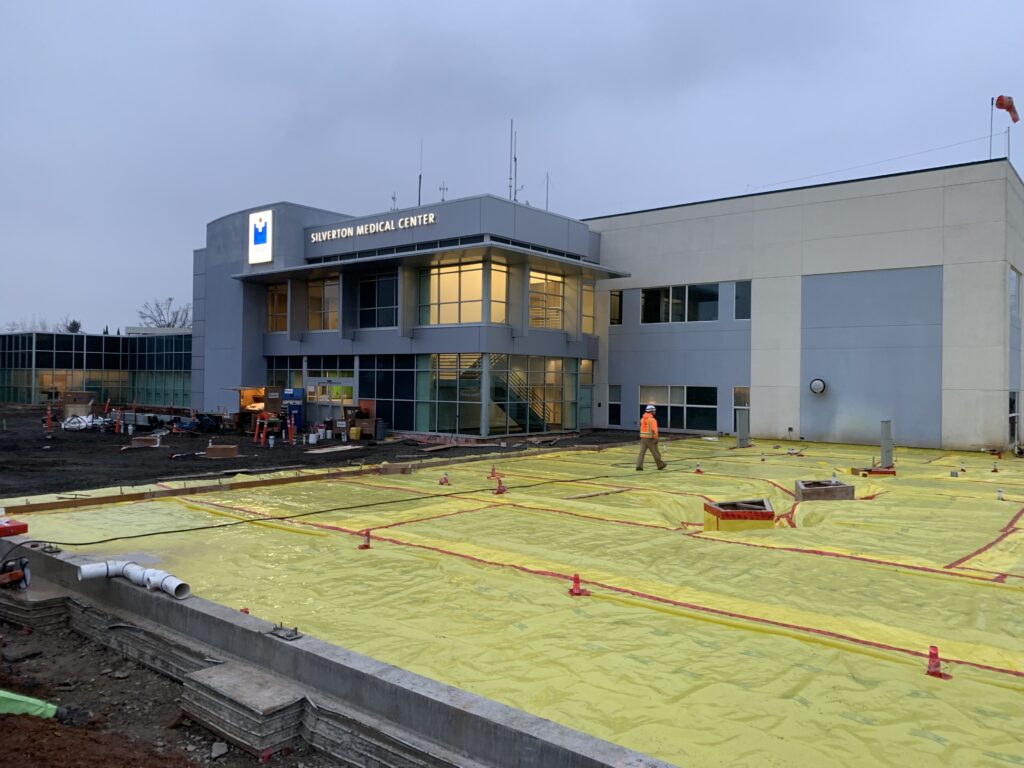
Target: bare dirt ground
[(131, 715), (33, 463)]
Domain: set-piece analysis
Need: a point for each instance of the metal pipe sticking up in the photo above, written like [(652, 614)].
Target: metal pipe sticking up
[(885, 460)]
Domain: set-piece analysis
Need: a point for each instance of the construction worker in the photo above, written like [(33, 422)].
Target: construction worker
[(649, 439)]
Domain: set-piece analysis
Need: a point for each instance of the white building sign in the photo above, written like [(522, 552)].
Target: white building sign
[(261, 237), (373, 227)]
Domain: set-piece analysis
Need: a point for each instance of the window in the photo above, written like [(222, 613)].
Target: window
[(654, 305), (547, 293), (586, 373), (740, 402), (679, 303), (452, 294), (587, 308), (277, 308), (1014, 418), (378, 300), (322, 305), (677, 407), (614, 404), (742, 300), (499, 293), (701, 302), (615, 308)]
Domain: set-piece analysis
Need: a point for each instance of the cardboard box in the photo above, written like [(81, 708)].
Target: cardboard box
[(221, 451)]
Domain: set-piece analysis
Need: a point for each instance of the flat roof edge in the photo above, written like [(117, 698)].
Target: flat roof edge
[(807, 186)]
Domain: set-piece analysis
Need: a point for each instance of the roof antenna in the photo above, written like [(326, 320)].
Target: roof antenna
[(442, 189), (511, 152), (419, 188), (547, 182), (394, 201), (516, 189)]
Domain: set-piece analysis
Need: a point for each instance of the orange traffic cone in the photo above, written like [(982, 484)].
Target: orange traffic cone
[(575, 590), (366, 539), (698, 470), (444, 480), (501, 487), (494, 475)]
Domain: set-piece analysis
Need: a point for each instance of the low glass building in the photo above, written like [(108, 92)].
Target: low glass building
[(150, 369)]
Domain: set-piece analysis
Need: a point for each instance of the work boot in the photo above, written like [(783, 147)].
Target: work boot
[(663, 466), (639, 469)]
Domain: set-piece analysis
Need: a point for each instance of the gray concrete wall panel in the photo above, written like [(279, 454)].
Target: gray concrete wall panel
[(875, 338)]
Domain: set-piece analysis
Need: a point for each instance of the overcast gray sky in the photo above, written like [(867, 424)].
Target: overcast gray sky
[(127, 126)]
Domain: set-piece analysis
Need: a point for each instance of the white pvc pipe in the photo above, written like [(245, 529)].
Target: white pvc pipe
[(151, 578)]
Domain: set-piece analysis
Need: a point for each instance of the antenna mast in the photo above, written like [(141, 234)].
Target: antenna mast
[(515, 167), (547, 182), (511, 152), (442, 189), (419, 187)]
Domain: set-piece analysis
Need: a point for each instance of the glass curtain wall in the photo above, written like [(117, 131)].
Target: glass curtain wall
[(147, 370), (525, 394)]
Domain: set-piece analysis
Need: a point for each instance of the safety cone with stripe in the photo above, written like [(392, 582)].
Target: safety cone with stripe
[(575, 590), (935, 664)]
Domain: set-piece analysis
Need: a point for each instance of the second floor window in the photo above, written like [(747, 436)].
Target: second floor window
[(547, 299), (587, 308), (322, 305), (452, 294), (615, 308), (679, 304), (378, 300), (277, 308)]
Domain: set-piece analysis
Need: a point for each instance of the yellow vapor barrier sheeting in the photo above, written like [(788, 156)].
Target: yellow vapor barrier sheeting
[(794, 645)]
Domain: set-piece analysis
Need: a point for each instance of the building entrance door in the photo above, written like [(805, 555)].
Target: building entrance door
[(585, 411), (326, 398)]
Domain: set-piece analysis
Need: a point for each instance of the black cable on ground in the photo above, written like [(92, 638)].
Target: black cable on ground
[(297, 515)]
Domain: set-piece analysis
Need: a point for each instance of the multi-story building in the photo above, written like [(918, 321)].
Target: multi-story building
[(473, 316), (821, 311)]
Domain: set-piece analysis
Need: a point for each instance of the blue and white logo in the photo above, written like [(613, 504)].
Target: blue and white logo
[(259, 233), (261, 237)]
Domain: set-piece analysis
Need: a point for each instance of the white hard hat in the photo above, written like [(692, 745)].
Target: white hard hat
[(650, 409)]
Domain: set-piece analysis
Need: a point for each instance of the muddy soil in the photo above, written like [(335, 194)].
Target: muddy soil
[(32, 462), (131, 715)]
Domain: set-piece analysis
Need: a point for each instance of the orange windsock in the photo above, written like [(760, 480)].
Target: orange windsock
[(1006, 102)]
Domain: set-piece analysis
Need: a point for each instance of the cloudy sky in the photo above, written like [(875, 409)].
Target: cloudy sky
[(126, 126)]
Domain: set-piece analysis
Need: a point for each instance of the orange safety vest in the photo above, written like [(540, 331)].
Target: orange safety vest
[(648, 426)]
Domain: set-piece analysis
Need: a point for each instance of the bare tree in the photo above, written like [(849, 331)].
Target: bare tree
[(68, 324), (28, 326), (161, 313)]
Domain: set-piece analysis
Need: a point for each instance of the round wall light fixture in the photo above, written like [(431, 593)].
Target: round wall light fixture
[(817, 386)]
